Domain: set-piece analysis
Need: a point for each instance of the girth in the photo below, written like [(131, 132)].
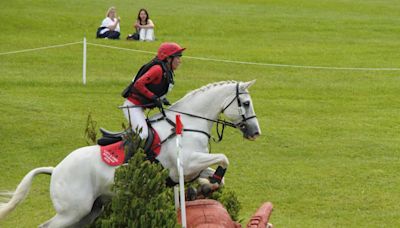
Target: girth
[(173, 129)]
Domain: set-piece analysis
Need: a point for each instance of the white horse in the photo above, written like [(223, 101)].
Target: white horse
[(82, 179)]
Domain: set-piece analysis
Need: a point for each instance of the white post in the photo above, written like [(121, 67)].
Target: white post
[(176, 195), (179, 128), (182, 194), (84, 61)]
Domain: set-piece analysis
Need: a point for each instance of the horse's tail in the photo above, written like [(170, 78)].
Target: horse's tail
[(22, 190)]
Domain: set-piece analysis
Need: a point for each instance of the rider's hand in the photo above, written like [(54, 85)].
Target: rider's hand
[(156, 101), (166, 102)]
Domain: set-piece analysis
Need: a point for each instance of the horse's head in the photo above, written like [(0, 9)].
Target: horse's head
[(239, 109)]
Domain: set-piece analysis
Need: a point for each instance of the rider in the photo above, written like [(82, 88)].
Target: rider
[(150, 86)]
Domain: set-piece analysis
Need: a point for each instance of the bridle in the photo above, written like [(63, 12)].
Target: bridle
[(241, 109), (220, 132)]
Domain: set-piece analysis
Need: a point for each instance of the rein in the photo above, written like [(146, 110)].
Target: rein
[(219, 122)]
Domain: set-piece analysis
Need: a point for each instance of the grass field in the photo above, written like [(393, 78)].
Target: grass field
[(329, 153)]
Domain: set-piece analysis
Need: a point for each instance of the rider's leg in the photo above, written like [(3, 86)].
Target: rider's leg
[(136, 118)]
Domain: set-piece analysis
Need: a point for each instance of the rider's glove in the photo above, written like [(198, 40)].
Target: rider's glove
[(166, 102), (156, 101)]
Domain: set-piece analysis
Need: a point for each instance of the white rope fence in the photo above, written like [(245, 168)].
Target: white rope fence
[(124, 49), (258, 64), (40, 48), (294, 66), (85, 43)]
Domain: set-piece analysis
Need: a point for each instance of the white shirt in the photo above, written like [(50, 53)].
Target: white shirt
[(107, 22)]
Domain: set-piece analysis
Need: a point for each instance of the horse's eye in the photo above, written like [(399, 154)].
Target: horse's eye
[(246, 103)]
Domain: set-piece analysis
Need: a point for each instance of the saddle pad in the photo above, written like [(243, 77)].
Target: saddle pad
[(113, 154)]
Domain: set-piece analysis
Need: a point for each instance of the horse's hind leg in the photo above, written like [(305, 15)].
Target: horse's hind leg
[(69, 211), (75, 220), (95, 212), (45, 224), (59, 221)]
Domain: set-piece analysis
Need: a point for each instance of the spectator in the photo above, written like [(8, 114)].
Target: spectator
[(144, 26), (109, 28)]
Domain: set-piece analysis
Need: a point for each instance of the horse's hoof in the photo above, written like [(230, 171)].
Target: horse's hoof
[(205, 190), (191, 194)]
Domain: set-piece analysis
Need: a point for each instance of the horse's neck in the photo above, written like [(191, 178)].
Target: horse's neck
[(207, 103)]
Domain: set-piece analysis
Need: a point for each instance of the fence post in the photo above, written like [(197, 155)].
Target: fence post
[(176, 197), (179, 129), (84, 61)]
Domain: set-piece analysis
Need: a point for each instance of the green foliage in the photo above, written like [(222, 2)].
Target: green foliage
[(90, 130), (229, 199), (141, 196)]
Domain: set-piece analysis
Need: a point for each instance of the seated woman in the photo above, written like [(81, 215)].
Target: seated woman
[(144, 26), (110, 26)]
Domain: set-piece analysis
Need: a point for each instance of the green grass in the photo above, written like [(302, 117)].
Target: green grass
[(329, 154)]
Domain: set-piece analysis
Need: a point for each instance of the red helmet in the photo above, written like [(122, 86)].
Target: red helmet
[(169, 49)]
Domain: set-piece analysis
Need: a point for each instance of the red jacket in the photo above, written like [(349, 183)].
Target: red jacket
[(153, 76)]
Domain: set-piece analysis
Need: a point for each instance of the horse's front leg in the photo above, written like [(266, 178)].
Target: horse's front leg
[(207, 175), (196, 162), (200, 162), (207, 183)]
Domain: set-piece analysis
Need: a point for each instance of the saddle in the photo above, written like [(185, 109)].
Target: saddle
[(152, 145)]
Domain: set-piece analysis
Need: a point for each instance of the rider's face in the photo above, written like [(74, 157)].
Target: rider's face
[(176, 61)]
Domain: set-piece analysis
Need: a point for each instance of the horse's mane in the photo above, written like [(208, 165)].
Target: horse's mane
[(207, 87)]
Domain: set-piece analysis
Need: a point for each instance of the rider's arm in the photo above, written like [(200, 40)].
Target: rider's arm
[(152, 76)]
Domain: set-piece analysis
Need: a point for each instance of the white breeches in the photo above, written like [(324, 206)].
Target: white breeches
[(136, 118), (146, 34)]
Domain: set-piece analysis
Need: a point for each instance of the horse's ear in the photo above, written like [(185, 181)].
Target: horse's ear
[(247, 85)]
